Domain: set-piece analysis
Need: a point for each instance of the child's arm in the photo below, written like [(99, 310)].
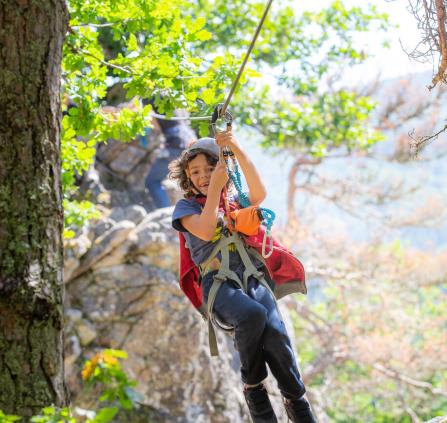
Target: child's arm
[(256, 188), (204, 225)]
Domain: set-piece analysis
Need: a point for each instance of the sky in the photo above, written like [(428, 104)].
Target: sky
[(392, 62)]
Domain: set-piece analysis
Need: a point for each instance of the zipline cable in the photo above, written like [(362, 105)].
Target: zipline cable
[(163, 117), (227, 156), (247, 55)]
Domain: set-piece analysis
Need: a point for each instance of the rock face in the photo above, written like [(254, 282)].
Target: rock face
[(123, 293), (118, 178), (121, 276)]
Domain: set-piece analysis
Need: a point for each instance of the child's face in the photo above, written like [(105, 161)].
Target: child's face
[(199, 171)]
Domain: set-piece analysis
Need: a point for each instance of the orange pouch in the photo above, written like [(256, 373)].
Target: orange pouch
[(247, 220)]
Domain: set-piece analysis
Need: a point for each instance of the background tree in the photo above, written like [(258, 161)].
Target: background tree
[(190, 52), (431, 18), (312, 117), (302, 110), (31, 285), (372, 341), (371, 338), (374, 347)]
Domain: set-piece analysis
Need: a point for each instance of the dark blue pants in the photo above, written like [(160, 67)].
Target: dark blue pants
[(260, 334)]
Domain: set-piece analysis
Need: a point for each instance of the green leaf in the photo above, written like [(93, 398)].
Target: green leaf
[(117, 353), (105, 415), (208, 96), (132, 43), (203, 35)]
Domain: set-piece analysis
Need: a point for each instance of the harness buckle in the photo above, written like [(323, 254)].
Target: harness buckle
[(259, 275), (219, 278)]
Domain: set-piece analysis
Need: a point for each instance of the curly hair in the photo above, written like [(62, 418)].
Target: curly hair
[(177, 169)]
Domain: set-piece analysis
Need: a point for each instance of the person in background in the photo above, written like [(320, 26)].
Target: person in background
[(178, 135)]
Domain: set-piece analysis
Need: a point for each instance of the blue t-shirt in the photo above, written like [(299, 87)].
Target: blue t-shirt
[(200, 249)]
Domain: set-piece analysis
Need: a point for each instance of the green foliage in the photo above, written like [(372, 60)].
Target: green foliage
[(307, 53), (116, 391), (191, 52), (76, 213), (303, 45), (54, 415), (8, 418), (146, 45), (317, 125), (104, 370)]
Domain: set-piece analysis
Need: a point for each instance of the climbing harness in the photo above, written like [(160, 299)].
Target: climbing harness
[(285, 272), (223, 273)]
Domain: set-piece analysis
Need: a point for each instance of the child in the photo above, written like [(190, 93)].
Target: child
[(234, 279)]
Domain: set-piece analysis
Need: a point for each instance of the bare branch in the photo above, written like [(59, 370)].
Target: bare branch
[(408, 380), (301, 161), (418, 143), (110, 65)]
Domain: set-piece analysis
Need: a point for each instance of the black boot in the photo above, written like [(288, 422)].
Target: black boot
[(259, 405), (298, 410)]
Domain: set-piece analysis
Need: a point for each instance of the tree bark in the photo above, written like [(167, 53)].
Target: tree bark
[(31, 218), (441, 17)]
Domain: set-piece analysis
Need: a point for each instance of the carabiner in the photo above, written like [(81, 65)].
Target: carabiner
[(267, 234), (217, 114)]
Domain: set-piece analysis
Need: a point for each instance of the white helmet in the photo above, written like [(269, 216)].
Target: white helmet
[(205, 144)]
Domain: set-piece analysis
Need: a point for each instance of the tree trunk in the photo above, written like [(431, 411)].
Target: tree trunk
[(31, 217), (292, 218)]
